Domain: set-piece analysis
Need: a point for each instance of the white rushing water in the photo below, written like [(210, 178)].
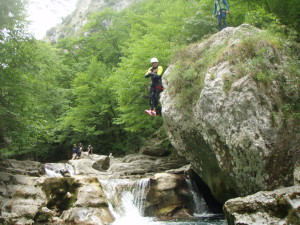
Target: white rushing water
[(200, 207), (53, 169), (126, 200), (140, 191)]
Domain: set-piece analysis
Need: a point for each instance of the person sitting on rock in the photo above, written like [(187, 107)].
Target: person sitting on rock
[(90, 150), (74, 151), (155, 73), (221, 9)]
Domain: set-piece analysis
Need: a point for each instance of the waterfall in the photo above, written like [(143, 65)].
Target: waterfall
[(114, 189), (131, 214), (53, 169), (126, 199), (140, 191), (199, 205)]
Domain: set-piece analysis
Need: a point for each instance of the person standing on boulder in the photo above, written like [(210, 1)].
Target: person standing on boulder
[(221, 9), (156, 87), (80, 149), (74, 151), (90, 149)]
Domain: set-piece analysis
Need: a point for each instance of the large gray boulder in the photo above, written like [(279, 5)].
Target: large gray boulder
[(91, 206), (158, 144), (281, 206), (54, 200), (90, 164), (226, 112), (20, 198), (168, 197), (30, 168), (141, 165), (297, 174)]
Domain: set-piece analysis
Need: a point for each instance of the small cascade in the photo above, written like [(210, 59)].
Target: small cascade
[(131, 213), (126, 200), (199, 205), (140, 191), (56, 169), (114, 189)]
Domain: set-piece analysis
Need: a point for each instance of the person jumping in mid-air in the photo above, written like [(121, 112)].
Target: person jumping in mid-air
[(221, 9), (155, 73)]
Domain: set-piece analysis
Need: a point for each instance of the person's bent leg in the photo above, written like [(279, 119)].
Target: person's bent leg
[(152, 98), (156, 96)]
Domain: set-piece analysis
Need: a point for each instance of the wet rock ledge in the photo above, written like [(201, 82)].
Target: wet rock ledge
[(74, 194), (281, 206)]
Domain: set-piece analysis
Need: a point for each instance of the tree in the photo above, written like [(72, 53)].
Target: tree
[(282, 12), (90, 118)]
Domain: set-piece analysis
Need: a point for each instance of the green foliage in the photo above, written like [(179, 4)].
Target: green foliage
[(257, 56), (12, 18), (90, 118), (31, 98), (263, 20), (278, 15), (131, 86), (91, 88), (186, 80), (110, 30)]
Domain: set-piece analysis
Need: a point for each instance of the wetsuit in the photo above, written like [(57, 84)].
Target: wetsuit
[(156, 86)]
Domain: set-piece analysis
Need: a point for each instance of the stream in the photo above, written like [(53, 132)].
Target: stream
[(132, 206), (127, 202)]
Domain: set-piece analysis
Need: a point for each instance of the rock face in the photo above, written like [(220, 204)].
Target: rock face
[(157, 145), (29, 168), (281, 206), (168, 197), (27, 197), (25, 200), (234, 130), (297, 174), (139, 165), (20, 198), (75, 21), (91, 206), (90, 164), (77, 192)]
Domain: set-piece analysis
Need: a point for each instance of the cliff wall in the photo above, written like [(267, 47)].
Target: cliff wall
[(73, 23), (231, 107)]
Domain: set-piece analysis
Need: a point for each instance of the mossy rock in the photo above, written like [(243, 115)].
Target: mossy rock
[(168, 210), (61, 193), (42, 217)]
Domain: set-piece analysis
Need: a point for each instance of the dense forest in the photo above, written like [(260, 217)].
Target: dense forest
[(90, 87)]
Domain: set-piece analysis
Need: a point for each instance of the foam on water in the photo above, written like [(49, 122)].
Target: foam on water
[(127, 203), (200, 206)]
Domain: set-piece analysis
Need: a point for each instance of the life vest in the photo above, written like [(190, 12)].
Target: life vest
[(159, 72)]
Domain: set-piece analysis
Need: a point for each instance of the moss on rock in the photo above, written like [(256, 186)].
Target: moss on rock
[(57, 190)]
